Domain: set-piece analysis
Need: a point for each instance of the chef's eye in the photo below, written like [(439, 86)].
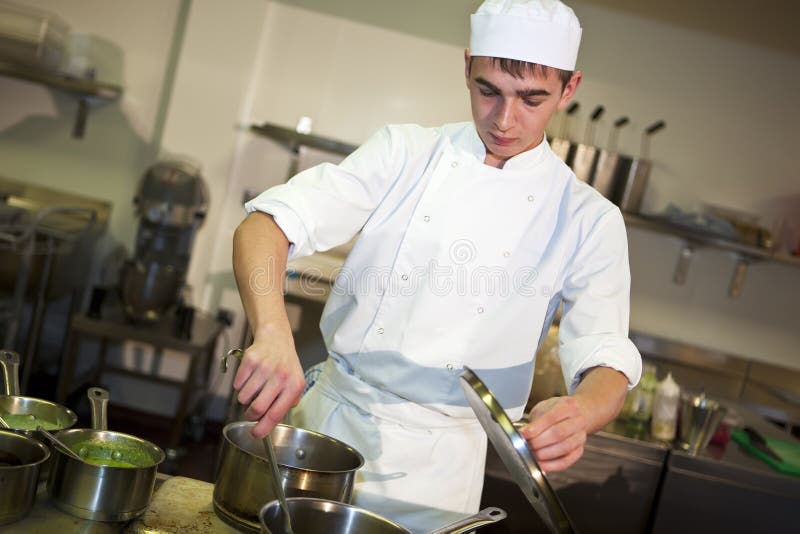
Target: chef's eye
[(532, 103), (486, 92)]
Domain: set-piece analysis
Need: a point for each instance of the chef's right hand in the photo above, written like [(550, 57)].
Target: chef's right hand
[(270, 379)]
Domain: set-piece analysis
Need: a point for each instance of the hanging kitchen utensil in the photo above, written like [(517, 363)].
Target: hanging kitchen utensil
[(612, 166), (586, 153), (561, 145), (613, 135), (319, 515), (630, 191), (516, 455)]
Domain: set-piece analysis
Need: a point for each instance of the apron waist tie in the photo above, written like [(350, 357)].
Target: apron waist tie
[(349, 388)]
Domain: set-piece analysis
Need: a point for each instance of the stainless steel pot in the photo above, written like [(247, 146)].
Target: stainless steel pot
[(103, 492), (623, 179), (699, 419), (312, 516), (18, 482), (12, 403), (310, 464)]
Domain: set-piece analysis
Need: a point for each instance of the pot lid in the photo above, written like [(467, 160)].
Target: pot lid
[(514, 452)]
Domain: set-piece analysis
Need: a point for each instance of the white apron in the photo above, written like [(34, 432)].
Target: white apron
[(422, 469)]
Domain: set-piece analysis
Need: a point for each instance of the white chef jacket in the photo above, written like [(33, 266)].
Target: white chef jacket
[(457, 263)]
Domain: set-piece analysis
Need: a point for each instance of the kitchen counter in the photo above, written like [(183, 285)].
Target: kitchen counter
[(179, 506), (724, 489)]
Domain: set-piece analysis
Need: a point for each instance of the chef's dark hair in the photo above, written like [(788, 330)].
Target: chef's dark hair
[(518, 69)]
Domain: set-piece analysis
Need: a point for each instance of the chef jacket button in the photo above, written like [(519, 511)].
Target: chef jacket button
[(507, 254), (404, 277), (530, 198), (380, 330), (450, 366), (454, 164), (480, 309), (426, 218)]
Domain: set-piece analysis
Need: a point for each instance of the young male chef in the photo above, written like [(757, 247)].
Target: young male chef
[(475, 232)]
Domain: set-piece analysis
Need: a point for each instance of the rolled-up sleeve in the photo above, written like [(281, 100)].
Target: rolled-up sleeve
[(325, 206), (596, 305)]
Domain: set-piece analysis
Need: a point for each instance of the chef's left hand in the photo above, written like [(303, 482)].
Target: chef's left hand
[(557, 432)]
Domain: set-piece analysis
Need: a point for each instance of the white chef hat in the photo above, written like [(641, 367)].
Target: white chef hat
[(537, 31)]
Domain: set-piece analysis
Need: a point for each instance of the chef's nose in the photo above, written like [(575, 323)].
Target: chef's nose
[(504, 114)]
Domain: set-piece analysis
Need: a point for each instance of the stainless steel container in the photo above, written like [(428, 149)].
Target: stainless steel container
[(311, 465), (102, 492), (12, 403), (585, 158), (148, 291), (312, 516), (699, 419), (18, 482)]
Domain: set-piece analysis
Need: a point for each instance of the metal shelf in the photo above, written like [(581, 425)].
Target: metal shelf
[(292, 140), (746, 254), (87, 91), (662, 226)]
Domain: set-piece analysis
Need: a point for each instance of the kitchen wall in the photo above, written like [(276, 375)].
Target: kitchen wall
[(353, 65), (121, 139), (185, 78)]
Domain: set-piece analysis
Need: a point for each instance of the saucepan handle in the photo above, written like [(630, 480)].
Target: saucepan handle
[(237, 353), (9, 360), (482, 518), (98, 402)]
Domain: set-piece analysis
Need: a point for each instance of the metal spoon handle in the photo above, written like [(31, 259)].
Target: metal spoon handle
[(4, 424), (57, 442), (276, 483)]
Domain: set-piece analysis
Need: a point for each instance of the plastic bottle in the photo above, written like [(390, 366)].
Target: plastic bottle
[(665, 409), (643, 404)]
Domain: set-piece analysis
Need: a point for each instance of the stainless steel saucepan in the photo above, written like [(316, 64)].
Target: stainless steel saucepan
[(24, 413), (115, 479), (310, 465), (21, 459), (312, 516)]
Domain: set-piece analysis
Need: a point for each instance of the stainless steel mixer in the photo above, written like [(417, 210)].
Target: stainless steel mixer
[(171, 203)]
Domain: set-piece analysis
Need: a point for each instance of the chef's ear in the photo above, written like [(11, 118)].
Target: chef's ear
[(467, 65), (569, 89)]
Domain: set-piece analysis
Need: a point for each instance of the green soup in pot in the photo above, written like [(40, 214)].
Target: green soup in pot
[(110, 454), (26, 421)]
